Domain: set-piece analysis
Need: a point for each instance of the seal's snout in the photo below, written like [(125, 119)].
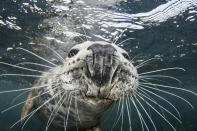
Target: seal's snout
[(101, 66), (101, 70), (102, 50)]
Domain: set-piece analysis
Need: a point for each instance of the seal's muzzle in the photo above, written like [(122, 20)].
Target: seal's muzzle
[(101, 63)]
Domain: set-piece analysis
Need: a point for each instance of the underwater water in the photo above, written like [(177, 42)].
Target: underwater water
[(146, 29)]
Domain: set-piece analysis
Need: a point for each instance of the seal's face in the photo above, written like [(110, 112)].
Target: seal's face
[(99, 70)]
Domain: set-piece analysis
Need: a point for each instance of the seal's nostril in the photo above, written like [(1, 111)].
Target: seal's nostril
[(102, 50)]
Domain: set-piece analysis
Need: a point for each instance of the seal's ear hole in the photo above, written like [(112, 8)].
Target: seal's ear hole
[(73, 52), (126, 56)]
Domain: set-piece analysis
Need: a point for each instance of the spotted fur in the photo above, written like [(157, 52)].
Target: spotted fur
[(77, 79)]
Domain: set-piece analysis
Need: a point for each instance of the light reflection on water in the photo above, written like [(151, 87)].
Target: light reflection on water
[(164, 29)]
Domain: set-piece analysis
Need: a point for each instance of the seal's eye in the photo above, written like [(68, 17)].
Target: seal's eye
[(73, 52), (125, 56)]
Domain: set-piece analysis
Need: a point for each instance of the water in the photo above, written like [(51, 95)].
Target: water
[(162, 29)]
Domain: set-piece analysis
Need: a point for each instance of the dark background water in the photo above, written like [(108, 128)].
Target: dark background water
[(173, 39)]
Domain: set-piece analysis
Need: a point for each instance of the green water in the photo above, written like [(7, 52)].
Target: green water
[(162, 29)]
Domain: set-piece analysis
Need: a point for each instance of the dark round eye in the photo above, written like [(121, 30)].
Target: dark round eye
[(125, 56), (73, 52)]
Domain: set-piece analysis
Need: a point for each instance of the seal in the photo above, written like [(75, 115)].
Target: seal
[(93, 77)]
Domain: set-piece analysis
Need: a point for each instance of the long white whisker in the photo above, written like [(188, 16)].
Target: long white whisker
[(131, 98), (24, 89), (153, 100), (141, 88), (114, 41), (23, 102), (77, 109), (58, 109), (30, 114), (50, 120), (23, 75), (57, 54), (118, 116), (161, 107), (169, 94), (70, 97), (128, 111), (173, 68), (80, 38), (19, 96), (171, 87), (139, 114), (19, 67), (124, 41), (141, 64), (33, 112), (156, 111), (31, 63), (156, 76), (19, 48), (149, 117), (122, 113)]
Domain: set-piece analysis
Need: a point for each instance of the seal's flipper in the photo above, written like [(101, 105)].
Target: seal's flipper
[(27, 107)]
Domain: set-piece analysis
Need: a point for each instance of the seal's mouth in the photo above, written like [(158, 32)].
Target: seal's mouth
[(94, 100)]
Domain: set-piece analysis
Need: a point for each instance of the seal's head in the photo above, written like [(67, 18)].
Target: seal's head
[(99, 70), (93, 76)]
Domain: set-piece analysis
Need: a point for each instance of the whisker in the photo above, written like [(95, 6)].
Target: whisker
[(23, 102), (33, 112), (30, 114), (19, 96), (124, 41), (57, 54), (169, 94), (171, 87), (76, 110), (117, 116), (156, 111), (19, 48), (146, 61), (154, 101), (132, 60), (139, 114), (128, 111), (76, 105), (31, 63), (173, 68), (65, 122), (80, 37), (83, 30), (141, 88), (36, 76), (24, 89), (161, 76), (114, 41), (59, 108), (52, 116), (19, 67), (161, 107), (122, 112), (149, 117), (145, 64)]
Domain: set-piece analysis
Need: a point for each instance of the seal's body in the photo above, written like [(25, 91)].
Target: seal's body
[(93, 76)]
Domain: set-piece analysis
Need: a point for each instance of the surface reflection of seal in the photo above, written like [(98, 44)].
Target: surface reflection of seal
[(93, 76)]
